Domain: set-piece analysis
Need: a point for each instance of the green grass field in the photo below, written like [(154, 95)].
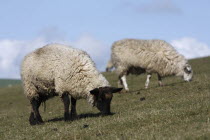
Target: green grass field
[(9, 82), (178, 110)]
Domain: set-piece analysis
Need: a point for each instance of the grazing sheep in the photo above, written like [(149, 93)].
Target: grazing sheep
[(150, 56), (58, 70), (109, 66)]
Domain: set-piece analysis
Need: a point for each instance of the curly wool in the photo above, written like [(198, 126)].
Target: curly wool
[(154, 56), (57, 69)]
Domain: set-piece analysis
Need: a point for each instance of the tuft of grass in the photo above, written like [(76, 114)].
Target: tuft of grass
[(178, 110)]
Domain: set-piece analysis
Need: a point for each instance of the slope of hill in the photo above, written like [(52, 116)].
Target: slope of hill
[(179, 110), (8, 82)]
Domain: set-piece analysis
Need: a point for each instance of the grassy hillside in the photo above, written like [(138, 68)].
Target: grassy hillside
[(178, 110), (8, 82)]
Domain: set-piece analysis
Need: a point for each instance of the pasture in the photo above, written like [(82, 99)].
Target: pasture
[(179, 110)]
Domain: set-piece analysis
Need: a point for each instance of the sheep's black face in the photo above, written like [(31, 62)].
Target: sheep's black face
[(103, 97)]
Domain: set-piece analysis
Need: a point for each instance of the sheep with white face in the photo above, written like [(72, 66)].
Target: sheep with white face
[(133, 56)]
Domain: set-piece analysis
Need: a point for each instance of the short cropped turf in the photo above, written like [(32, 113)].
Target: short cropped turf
[(179, 110)]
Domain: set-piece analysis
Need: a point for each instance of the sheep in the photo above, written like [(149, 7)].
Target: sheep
[(148, 56), (109, 66), (59, 70)]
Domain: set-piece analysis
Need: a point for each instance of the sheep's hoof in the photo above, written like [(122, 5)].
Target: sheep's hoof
[(39, 123), (34, 121), (66, 116), (74, 116)]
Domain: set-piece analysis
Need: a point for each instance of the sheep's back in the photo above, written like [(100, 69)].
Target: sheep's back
[(61, 68), (48, 62)]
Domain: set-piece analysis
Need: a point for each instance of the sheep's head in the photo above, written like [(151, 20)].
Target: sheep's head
[(188, 73), (103, 97)]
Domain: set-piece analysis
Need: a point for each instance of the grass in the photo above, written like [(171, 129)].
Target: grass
[(178, 110), (9, 82)]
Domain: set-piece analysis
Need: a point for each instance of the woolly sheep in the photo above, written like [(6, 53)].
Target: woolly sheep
[(58, 70), (151, 56)]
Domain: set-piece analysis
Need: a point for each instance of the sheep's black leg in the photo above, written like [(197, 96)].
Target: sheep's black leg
[(73, 108), (35, 117), (66, 102), (160, 80), (38, 116), (32, 119)]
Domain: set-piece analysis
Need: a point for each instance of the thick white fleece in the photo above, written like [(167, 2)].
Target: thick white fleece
[(56, 69)]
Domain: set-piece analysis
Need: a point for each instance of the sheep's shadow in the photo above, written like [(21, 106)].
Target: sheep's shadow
[(56, 119), (81, 116)]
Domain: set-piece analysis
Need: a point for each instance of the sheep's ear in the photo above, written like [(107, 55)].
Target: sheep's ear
[(95, 91), (114, 90)]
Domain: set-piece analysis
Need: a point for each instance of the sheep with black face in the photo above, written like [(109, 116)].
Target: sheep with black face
[(58, 70)]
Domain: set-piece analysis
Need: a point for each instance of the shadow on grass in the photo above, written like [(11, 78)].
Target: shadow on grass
[(81, 116), (56, 119)]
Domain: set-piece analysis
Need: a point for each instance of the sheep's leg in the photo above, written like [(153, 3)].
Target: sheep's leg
[(120, 84), (35, 117), (66, 102), (73, 108), (125, 85), (147, 81), (160, 80), (32, 119)]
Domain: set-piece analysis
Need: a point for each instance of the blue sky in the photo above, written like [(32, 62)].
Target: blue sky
[(94, 25)]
